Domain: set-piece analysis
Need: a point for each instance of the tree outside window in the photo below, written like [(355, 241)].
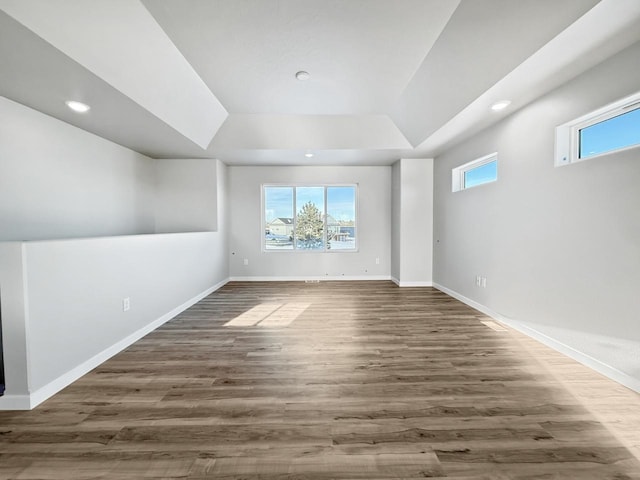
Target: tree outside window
[(324, 219), (309, 229)]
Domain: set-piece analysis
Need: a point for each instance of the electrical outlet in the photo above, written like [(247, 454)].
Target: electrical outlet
[(377, 261), (126, 304), (484, 282), (478, 280), (245, 261)]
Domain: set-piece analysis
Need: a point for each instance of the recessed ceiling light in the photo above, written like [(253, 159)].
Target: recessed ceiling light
[(302, 75), (501, 105), (308, 154), (77, 106)]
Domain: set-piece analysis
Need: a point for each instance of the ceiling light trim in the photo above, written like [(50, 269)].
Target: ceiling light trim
[(77, 106), (501, 105), (302, 75)]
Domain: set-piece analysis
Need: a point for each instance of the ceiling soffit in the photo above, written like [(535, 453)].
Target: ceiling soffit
[(260, 132), (37, 75), (606, 29), (360, 53), (389, 79), (483, 42), (134, 56)]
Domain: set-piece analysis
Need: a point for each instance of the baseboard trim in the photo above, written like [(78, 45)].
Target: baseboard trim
[(15, 402), (414, 284), (27, 402), (587, 360), (571, 352), (313, 278), (472, 303)]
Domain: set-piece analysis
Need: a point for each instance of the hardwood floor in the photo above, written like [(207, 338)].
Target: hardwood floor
[(358, 380)]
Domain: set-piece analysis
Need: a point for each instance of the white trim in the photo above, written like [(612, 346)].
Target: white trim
[(472, 303), (15, 402), (314, 278), (27, 402), (587, 360), (294, 187), (400, 283), (591, 362), (26, 315), (457, 173), (567, 142), (416, 284)]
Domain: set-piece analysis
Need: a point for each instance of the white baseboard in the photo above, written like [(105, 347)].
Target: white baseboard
[(571, 352), (15, 402), (27, 402), (472, 303), (400, 283), (311, 278), (321, 278)]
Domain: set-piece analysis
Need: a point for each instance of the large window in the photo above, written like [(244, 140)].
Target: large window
[(309, 217), (477, 172), (610, 129)]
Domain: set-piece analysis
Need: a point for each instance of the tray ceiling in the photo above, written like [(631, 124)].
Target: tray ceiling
[(388, 79)]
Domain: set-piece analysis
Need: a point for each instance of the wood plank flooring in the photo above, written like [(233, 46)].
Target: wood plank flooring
[(353, 380)]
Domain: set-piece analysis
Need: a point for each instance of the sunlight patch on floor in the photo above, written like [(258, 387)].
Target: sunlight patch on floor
[(612, 405), (285, 315), (269, 315), (254, 316)]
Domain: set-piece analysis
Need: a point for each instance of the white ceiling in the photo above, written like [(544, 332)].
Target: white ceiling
[(216, 78), (361, 54)]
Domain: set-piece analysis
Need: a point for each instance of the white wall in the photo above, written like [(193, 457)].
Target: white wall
[(396, 215), (62, 300), (412, 237), (222, 215), (57, 181), (560, 247), (73, 316), (13, 313), (373, 223), (186, 195), (61, 296)]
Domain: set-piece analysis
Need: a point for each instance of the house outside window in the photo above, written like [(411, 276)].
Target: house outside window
[(318, 218)]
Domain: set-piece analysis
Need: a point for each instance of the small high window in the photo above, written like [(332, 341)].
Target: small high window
[(610, 129), (477, 172)]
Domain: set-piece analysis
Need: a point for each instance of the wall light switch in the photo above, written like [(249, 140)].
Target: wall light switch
[(126, 304)]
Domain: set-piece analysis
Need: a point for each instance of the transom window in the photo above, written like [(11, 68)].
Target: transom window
[(309, 218), (610, 129), (477, 172)]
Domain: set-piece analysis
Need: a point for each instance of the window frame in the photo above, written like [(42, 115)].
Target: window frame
[(458, 173), (294, 186), (567, 144)]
